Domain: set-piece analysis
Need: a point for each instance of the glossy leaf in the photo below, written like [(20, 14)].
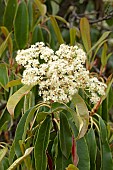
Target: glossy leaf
[(10, 42), (41, 7), (16, 97), (56, 29), (3, 77), (19, 160), (21, 25), (41, 144), (3, 153), (83, 154), (65, 136), (82, 112), (9, 14), (92, 146), (85, 33)]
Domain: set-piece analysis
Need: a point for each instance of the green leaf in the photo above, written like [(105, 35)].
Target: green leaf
[(61, 161), (3, 46), (19, 133), (85, 33), (3, 153), (42, 8), (9, 41), (104, 55), (21, 25), (103, 130), (107, 161), (105, 114), (3, 75), (102, 38), (65, 136), (72, 35), (37, 34), (19, 160), (41, 144), (9, 14), (92, 146), (13, 83), (27, 121), (56, 29), (82, 112), (83, 154), (72, 167), (72, 114), (16, 97), (4, 118), (30, 14)]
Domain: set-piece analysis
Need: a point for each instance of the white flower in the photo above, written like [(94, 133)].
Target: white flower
[(59, 74)]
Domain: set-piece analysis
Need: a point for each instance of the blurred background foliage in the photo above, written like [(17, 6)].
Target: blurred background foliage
[(25, 22)]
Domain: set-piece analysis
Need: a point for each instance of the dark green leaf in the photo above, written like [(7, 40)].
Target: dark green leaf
[(61, 161), (21, 25), (37, 35), (41, 144), (92, 146), (19, 133), (107, 161), (9, 14), (65, 136), (83, 154), (3, 77)]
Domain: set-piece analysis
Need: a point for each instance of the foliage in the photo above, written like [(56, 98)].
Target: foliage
[(42, 136)]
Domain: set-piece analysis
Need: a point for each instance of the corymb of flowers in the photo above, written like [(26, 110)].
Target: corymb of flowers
[(59, 74)]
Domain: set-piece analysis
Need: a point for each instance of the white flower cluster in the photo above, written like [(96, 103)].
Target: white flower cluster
[(59, 74)]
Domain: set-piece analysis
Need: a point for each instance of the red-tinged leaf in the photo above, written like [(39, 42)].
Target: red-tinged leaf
[(74, 152), (50, 162), (16, 97)]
